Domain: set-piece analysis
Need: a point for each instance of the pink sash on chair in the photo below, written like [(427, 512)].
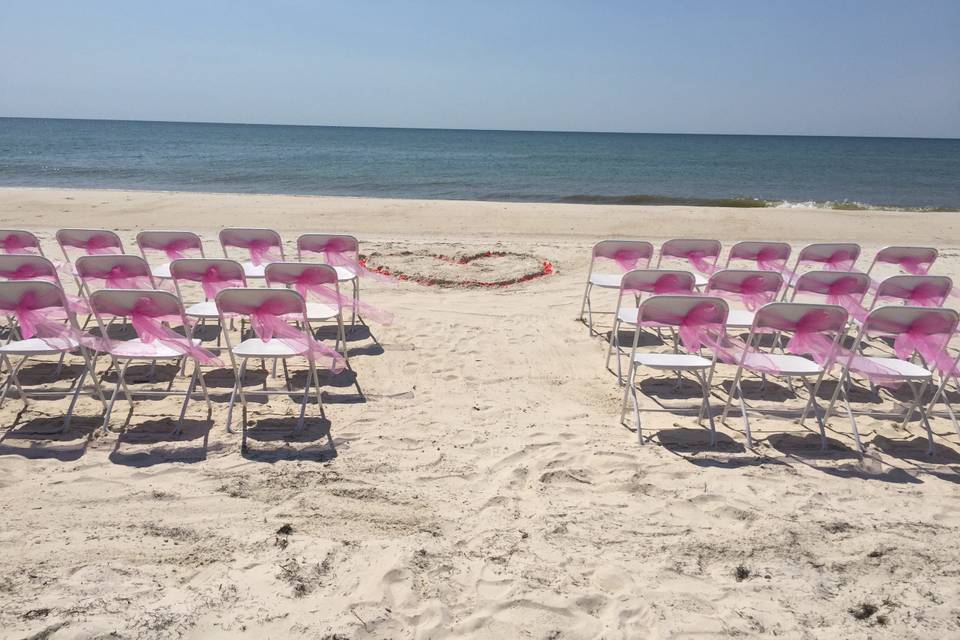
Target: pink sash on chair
[(98, 245), (75, 304), (923, 295), (698, 260), (751, 292), (771, 259), (175, 249), (312, 282), (213, 281), (45, 323), (339, 252), (119, 277), (268, 324), (13, 244), (148, 322)]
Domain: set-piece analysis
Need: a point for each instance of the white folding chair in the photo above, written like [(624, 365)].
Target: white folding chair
[(296, 275), (674, 311), (174, 245), (151, 306), (46, 299), (766, 256), (700, 255), (263, 246), (751, 289), (345, 260), (928, 324), (624, 255), (19, 242), (636, 283), (781, 320), (913, 260), (281, 305)]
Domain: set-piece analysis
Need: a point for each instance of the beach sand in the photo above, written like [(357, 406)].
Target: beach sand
[(484, 488)]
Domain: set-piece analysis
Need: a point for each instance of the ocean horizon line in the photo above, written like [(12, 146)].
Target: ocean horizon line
[(474, 129)]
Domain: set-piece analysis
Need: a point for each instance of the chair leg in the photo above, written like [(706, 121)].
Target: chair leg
[(12, 377), (626, 390), (853, 420), (113, 397), (705, 379), (316, 383), (73, 400), (583, 304), (733, 387), (206, 393), (186, 398), (237, 382), (303, 401), (743, 412), (243, 405)]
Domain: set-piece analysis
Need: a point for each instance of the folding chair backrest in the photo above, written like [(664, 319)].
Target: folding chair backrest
[(243, 238), (918, 291), (123, 303), (760, 252), (280, 301), (195, 269), (915, 260), (825, 283), (635, 254), (789, 316), (89, 241), (41, 294), (917, 321), (842, 255), (688, 248), (657, 281), (19, 242), (172, 243), (289, 273), (766, 284), (28, 267), (320, 242), (675, 310), (122, 266)]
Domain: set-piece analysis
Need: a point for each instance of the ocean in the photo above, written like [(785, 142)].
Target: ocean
[(524, 166)]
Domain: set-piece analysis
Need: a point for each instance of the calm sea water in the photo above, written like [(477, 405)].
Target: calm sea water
[(613, 168)]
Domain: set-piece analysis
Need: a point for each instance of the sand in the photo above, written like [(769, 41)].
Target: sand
[(481, 486)]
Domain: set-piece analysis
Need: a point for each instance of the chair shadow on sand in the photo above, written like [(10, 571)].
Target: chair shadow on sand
[(44, 439), (164, 444), (313, 442)]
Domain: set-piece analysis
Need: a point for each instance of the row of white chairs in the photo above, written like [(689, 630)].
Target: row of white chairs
[(32, 275), (703, 257), (759, 355)]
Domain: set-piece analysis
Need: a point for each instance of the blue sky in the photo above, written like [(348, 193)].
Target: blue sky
[(869, 67)]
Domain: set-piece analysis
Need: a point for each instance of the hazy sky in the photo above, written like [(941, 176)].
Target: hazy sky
[(869, 67)]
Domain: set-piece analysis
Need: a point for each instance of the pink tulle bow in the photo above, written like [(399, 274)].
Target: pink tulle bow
[(313, 283), (262, 252), (770, 259), (97, 245), (914, 265), (148, 321), (839, 260), (699, 261), (213, 281), (268, 322), (924, 294), (14, 245), (627, 258), (176, 249), (119, 277), (340, 252), (76, 304), (751, 291), (45, 323), (844, 292)]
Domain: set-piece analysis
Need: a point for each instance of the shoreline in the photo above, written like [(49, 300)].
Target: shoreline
[(387, 218), (647, 200)]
